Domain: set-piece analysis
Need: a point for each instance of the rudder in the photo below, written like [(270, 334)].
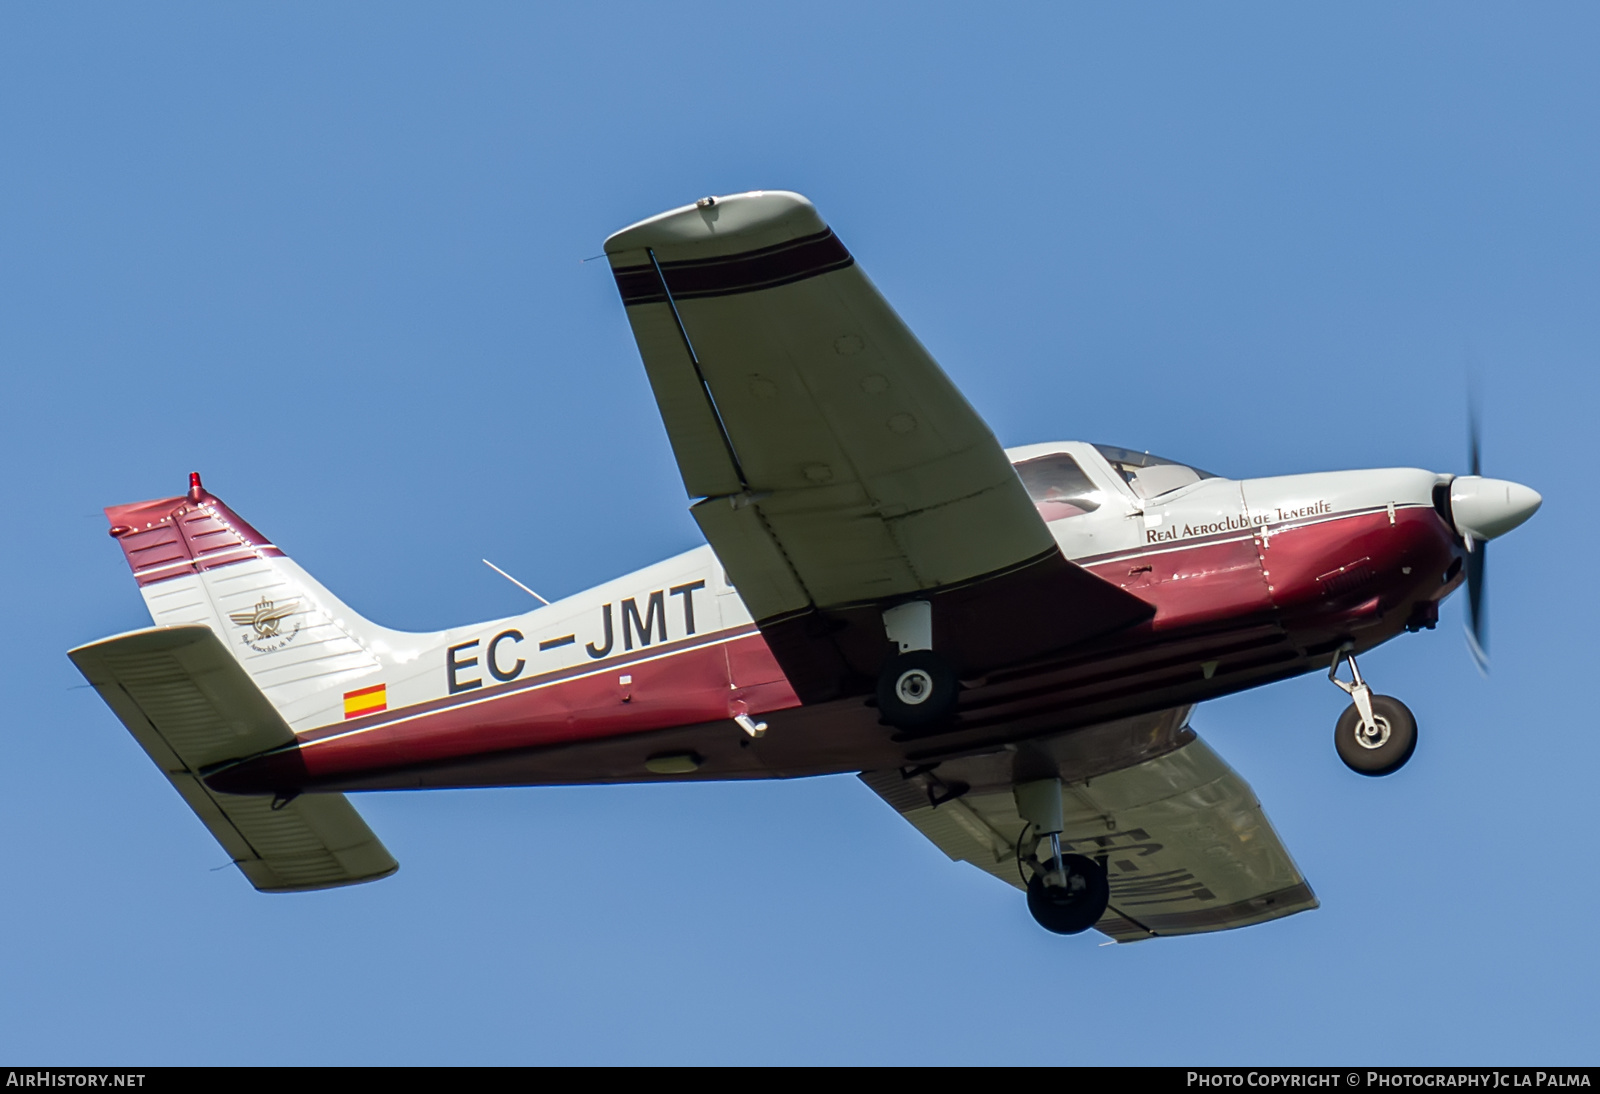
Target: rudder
[(198, 562)]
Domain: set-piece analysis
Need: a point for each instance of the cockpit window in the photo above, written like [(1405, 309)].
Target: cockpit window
[(1058, 486), (1148, 475)]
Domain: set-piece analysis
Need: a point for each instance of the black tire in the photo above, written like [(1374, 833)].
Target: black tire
[(1398, 741), (916, 690), (1075, 907)]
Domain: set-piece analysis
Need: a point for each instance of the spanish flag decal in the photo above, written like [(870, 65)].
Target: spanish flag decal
[(366, 701)]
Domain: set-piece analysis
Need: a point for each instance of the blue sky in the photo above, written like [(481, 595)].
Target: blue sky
[(328, 255)]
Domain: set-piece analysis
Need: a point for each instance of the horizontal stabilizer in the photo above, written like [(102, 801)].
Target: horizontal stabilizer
[(190, 705)]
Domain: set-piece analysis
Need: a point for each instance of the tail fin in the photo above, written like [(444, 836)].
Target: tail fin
[(198, 562)]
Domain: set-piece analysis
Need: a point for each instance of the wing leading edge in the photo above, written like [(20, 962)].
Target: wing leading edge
[(839, 468), (1185, 843)]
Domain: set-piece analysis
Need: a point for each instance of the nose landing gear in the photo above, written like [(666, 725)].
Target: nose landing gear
[(1376, 734)]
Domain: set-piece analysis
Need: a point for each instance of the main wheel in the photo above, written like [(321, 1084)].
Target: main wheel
[(916, 689), (1074, 907), (1383, 752)]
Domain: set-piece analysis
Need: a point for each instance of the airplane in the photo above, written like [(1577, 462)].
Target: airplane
[(1005, 644)]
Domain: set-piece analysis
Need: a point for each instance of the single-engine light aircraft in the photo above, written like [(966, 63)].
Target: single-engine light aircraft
[(1006, 644)]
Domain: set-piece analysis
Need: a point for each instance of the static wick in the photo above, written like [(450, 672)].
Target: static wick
[(517, 583)]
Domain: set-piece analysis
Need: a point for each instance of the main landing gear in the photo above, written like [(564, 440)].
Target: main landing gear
[(1376, 734), (1067, 894), (917, 687)]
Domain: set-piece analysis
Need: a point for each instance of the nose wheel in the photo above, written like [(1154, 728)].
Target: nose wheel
[(1376, 734)]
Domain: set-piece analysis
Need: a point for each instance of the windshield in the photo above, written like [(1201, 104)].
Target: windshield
[(1058, 486), (1148, 475)]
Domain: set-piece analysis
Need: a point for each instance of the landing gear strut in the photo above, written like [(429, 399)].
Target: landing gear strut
[(1376, 734), (1067, 894)]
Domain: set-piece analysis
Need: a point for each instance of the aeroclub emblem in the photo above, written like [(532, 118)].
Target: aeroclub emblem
[(266, 625)]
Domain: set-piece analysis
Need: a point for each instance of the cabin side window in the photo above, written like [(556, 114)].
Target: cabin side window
[(1058, 486)]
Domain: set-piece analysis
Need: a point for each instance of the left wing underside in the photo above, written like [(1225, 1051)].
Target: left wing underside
[(1184, 842)]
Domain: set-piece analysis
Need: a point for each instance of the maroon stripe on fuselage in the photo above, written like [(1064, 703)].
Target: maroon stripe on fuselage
[(1299, 561), (1143, 551), (1214, 606), (1200, 584), (680, 686), (686, 687), (1214, 578), (614, 666)]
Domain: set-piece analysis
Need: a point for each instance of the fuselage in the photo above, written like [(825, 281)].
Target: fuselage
[(1252, 581)]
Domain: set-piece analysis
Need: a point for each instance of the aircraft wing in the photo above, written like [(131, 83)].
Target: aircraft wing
[(1183, 839), (839, 467), (190, 705)]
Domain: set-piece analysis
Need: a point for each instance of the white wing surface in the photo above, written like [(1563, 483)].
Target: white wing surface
[(191, 706)]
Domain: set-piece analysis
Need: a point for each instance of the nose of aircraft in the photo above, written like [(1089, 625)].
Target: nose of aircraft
[(1486, 508)]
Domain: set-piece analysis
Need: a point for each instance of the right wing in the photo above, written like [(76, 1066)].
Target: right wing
[(841, 470), (1183, 839), (190, 705)]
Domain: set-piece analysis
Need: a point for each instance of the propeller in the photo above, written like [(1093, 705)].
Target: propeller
[(1483, 509), (1477, 558)]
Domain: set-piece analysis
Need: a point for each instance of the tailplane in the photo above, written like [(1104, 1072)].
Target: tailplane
[(191, 707)]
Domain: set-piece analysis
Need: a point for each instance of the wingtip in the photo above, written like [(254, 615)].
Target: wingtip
[(722, 222)]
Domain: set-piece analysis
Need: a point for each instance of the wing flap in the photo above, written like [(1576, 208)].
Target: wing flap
[(190, 705)]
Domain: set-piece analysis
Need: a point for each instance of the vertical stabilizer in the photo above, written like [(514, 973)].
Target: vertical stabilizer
[(197, 562)]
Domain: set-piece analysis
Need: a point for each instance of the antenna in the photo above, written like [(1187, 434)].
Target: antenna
[(517, 583)]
